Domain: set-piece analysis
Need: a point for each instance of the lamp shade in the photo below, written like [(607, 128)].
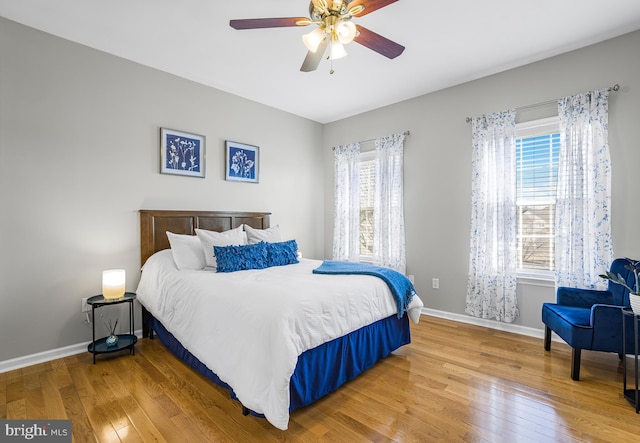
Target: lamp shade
[(337, 50), (313, 39), (346, 32), (113, 283)]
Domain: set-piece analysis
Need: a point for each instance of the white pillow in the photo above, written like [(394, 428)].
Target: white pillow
[(270, 235), (209, 239), (186, 251)]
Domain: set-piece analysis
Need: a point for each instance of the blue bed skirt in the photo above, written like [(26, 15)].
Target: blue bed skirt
[(318, 371)]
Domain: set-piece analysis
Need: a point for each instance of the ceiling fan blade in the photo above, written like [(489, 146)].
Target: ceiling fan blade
[(370, 5), (378, 43), (258, 23), (312, 60)]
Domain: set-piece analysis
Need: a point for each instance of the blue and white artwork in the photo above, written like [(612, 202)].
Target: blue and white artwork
[(182, 153), (242, 162)]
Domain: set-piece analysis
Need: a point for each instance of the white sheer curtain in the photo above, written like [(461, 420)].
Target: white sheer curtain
[(491, 284), (388, 207), (346, 226), (583, 222)]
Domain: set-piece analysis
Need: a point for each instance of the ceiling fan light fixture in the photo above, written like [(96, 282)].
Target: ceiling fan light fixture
[(334, 29), (313, 39), (346, 31), (337, 50)]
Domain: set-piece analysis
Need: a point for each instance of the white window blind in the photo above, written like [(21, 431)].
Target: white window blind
[(367, 180), (537, 150)]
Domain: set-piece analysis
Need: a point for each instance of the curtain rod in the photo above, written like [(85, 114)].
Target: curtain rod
[(407, 132), (614, 88)]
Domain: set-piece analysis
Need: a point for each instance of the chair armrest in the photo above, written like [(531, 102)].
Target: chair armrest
[(606, 314), (606, 321), (582, 298)]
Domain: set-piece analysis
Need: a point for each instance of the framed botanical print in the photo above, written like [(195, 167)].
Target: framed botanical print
[(181, 153), (242, 162)]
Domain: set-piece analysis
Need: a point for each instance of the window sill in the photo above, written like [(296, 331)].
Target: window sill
[(535, 279)]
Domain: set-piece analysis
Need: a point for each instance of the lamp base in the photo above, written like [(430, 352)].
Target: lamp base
[(113, 298), (113, 293)]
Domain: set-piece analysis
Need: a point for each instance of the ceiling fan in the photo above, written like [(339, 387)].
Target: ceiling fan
[(334, 29)]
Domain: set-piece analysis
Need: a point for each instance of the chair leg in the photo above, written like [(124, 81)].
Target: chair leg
[(575, 364), (547, 338)]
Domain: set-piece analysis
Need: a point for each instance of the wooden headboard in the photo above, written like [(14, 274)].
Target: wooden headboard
[(154, 224)]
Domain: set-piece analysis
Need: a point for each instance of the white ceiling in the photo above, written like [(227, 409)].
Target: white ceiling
[(447, 43)]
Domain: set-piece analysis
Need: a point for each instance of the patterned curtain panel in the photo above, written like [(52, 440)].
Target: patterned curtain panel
[(346, 225), (583, 223), (491, 285), (388, 207)]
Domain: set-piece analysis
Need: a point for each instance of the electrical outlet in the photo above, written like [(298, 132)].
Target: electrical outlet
[(435, 283), (85, 306)]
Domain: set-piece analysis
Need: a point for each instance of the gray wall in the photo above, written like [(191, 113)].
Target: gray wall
[(79, 148), (438, 161), (79, 156)]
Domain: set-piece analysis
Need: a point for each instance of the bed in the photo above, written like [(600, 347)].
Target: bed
[(276, 342)]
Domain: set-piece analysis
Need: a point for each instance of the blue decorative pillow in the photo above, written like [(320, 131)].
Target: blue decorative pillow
[(240, 258), (282, 253)]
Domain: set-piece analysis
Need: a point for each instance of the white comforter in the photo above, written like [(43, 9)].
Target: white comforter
[(249, 327)]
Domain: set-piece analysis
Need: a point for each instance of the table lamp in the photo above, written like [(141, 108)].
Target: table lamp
[(113, 282)]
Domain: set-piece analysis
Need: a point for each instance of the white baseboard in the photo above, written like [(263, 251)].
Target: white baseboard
[(493, 324), (41, 357)]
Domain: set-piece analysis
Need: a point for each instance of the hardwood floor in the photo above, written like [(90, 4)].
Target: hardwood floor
[(454, 382)]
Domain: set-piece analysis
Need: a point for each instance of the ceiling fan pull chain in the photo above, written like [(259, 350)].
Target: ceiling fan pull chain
[(329, 56)]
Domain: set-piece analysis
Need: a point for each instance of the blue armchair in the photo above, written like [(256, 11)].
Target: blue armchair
[(590, 319)]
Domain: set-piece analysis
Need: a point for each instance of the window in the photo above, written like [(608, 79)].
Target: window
[(368, 198), (367, 180), (537, 152)]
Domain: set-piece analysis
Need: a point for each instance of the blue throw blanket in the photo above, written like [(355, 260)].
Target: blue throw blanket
[(400, 286)]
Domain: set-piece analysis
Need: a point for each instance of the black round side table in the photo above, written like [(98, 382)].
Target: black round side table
[(125, 341)]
